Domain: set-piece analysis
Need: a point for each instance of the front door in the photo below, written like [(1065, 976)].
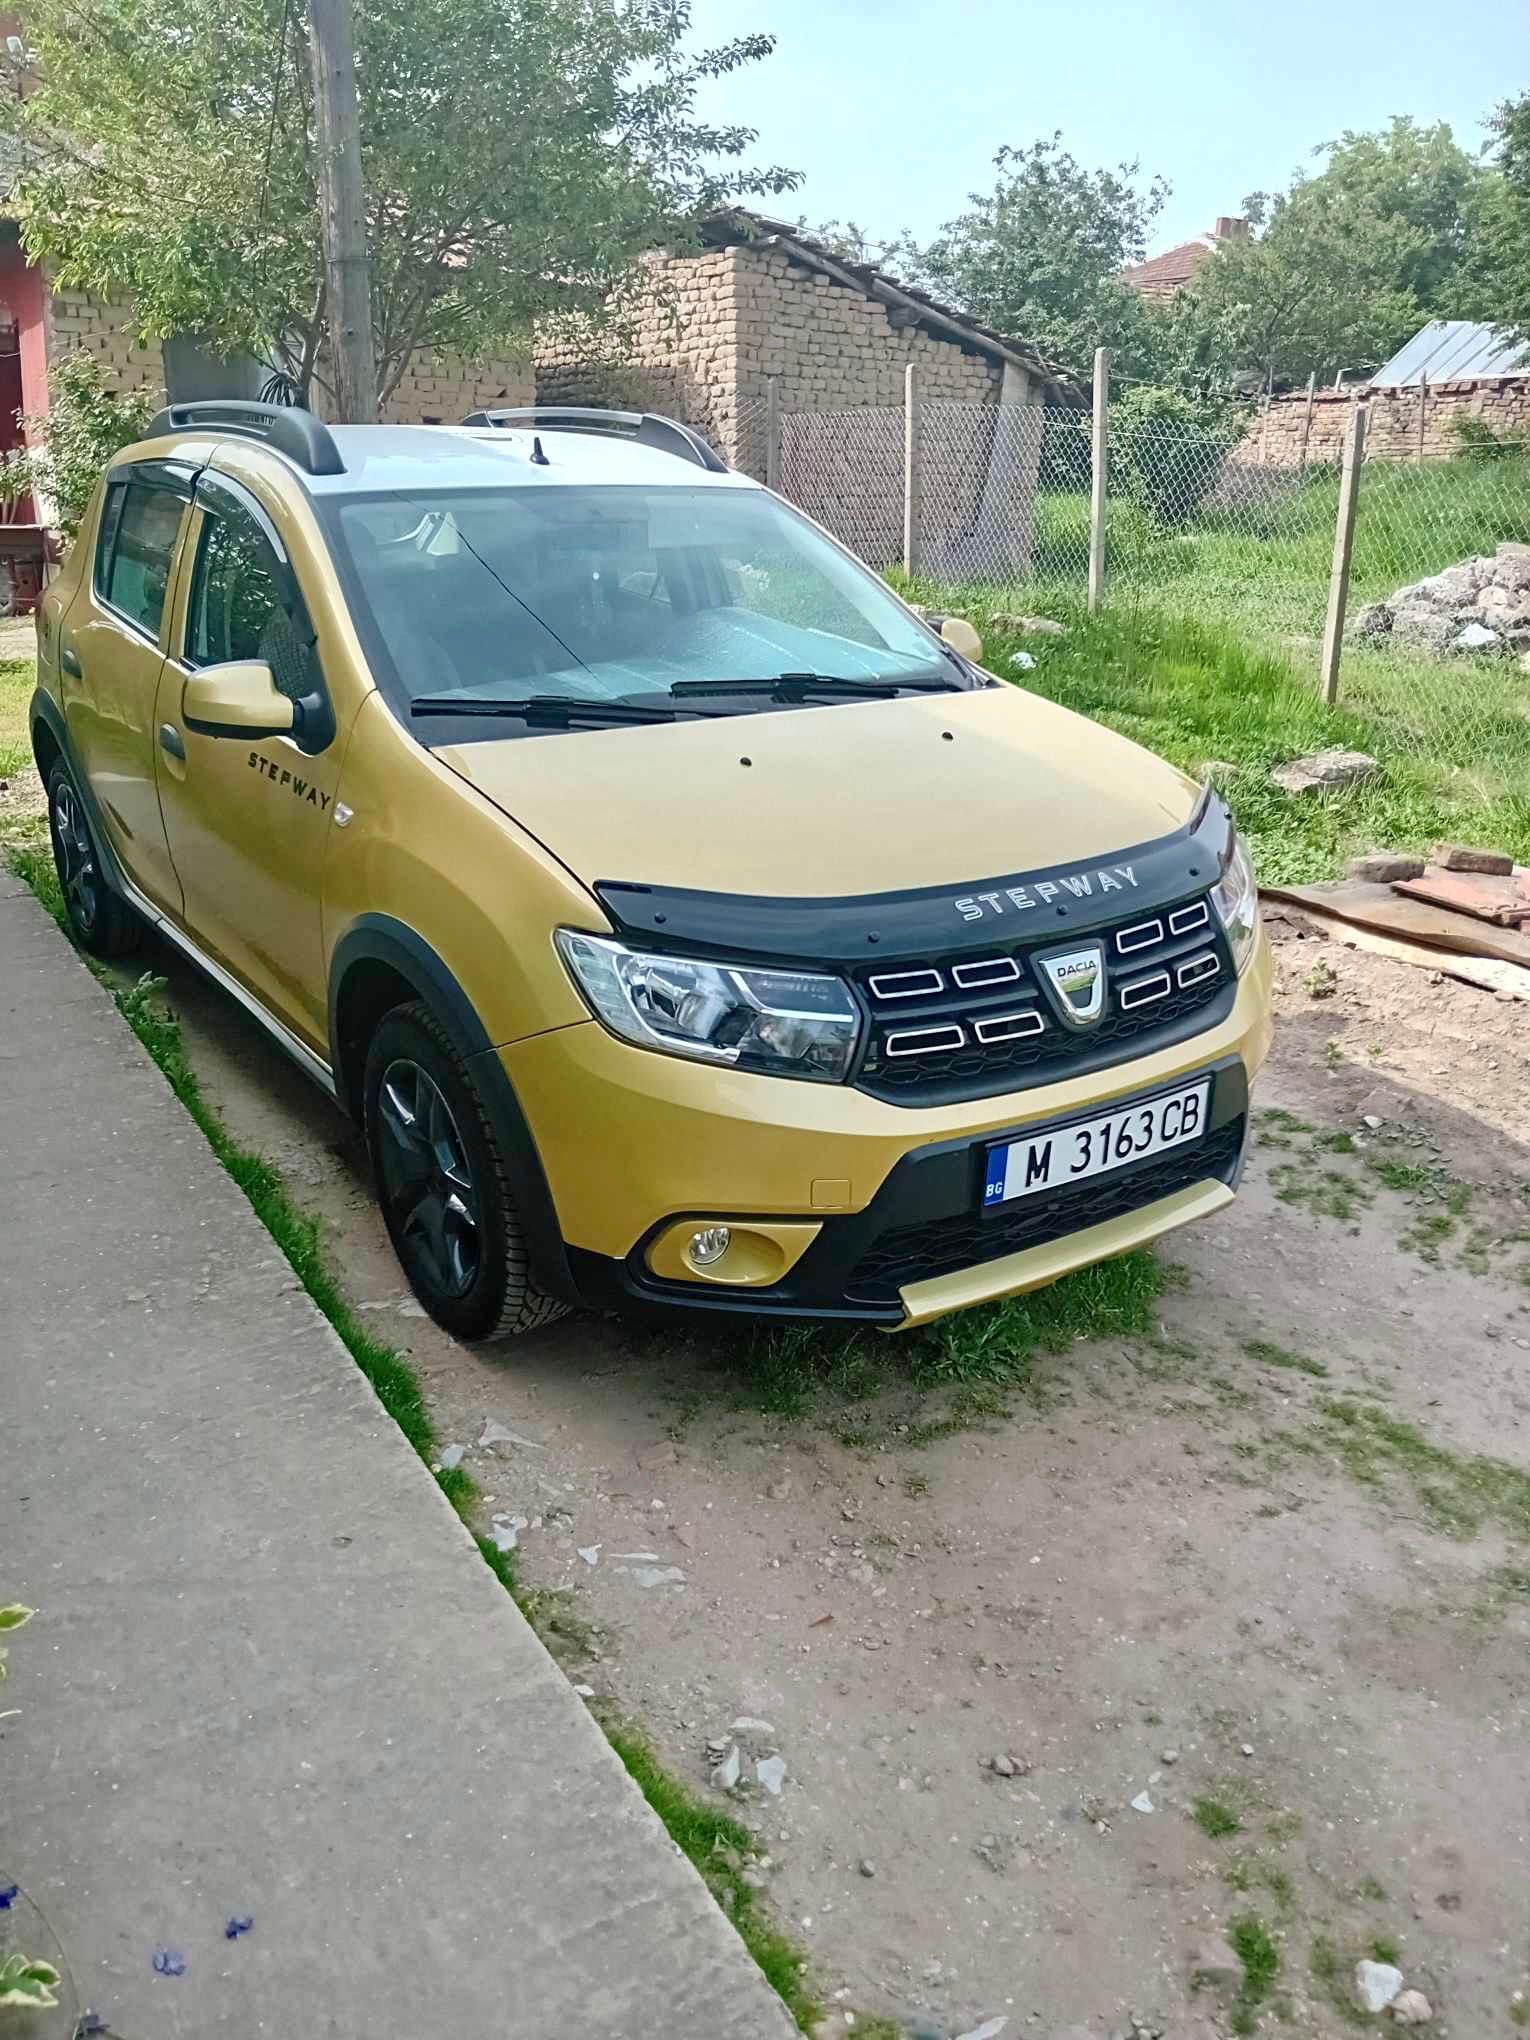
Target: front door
[(247, 821), (110, 655)]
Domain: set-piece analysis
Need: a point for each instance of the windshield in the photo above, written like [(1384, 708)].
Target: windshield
[(612, 594)]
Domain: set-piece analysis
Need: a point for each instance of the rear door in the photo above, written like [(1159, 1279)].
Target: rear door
[(247, 820), (111, 650)]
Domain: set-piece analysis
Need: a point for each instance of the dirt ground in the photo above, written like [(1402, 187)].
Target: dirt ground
[(1267, 1563)]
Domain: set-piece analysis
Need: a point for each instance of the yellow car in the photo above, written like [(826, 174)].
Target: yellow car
[(684, 920)]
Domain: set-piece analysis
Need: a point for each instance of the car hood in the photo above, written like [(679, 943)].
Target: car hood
[(822, 802)]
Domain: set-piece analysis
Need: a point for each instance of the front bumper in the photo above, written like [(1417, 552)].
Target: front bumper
[(880, 1201)]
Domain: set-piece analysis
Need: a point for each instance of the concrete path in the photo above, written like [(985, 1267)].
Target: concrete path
[(270, 1676)]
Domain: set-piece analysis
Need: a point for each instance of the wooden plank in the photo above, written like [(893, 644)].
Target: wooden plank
[(1379, 907), (1504, 980), (1484, 897)]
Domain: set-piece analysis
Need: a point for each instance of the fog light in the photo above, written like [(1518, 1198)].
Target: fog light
[(709, 1245)]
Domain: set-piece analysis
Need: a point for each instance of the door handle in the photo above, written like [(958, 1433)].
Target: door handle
[(171, 740), (69, 660)]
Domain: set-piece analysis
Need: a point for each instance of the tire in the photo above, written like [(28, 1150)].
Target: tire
[(443, 1186), (102, 923)]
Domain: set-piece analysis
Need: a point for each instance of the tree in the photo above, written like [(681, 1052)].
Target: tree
[(1349, 264), (1503, 249), (520, 155), (1039, 257)]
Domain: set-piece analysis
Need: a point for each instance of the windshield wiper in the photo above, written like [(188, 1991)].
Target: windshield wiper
[(555, 711), (798, 686)]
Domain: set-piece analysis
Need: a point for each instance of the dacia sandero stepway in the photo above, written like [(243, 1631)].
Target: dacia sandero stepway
[(686, 922)]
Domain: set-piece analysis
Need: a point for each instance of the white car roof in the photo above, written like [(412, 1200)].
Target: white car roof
[(414, 457)]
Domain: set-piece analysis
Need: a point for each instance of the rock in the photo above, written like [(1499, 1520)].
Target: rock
[(1425, 629), (866, 1867), (1168, 1756), (1511, 567), (1372, 621), (1217, 1961), (751, 1724), (1376, 1984), (496, 1434), (1032, 626), (995, 1851), (1004, 1766), (1245, 1749), (1452, 588), (1462, 857), (505, 1532), (1504, 608), (779, 1490), (451, 1458), (1022, 662), (658, 1575), (1412, 2008), (726, 1774), (590, 1553), (1325, 770), (1476, 638), (771, 1772), (661, 1453), (1381, 867), (1143, 1803), (989, 2030)]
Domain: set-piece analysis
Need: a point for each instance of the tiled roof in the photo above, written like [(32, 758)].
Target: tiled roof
[(1163, 275)]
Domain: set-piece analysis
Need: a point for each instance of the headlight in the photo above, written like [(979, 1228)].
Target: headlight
[(786, 1023), (1237, 900)]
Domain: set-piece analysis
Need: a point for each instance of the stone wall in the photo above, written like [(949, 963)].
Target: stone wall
[(1392, 426)]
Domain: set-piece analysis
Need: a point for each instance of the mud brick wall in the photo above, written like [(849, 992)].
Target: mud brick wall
[(77, 322), (440, 389), (1392, 427)]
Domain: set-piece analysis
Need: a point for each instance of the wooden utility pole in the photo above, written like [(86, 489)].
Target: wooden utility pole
[(1343, 546), (1099, 461), (1307, 415), (913, 490), (342, 210)]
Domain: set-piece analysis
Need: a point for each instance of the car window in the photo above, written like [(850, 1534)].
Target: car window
[(141, 536), (241, 603)]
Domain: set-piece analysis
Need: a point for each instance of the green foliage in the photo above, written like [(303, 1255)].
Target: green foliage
[(27, 1984), (1501, 251), (1166, 450), (1476, 439), (1040, 255), (519, 156), (1257, 1950), (86, 423), (12, 1617), (1350, 263), (1215, 1818)]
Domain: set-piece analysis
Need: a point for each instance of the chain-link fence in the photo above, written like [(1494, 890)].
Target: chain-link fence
[(1437, 637)]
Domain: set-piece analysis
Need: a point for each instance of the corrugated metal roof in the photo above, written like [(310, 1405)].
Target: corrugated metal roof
[(1453, 350)]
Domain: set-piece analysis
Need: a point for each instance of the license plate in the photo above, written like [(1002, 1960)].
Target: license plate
[(1093, 1147)]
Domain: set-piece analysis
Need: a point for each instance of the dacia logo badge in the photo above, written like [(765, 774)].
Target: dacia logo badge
[(1075, 980)]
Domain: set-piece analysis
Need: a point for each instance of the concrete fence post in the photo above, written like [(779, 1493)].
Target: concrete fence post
[(1423, 413), (913, 478), (1343, 547), (1099, 462), (773, 434)]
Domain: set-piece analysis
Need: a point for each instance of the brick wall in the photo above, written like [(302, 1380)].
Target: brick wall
[(75, 321), (1392, 426), (443, 388)]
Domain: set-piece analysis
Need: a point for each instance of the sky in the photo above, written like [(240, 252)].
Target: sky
[(893, 110)]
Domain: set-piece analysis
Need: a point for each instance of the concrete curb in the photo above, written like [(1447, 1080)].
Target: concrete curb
[(270, 1676)]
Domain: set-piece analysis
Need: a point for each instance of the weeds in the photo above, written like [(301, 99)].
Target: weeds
[(1270, 1355), (1328, 1973), (1214, 1817), (1257, 1950), (1458, 1492)]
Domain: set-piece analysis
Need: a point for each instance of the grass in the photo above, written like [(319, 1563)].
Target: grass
[(1268, 1354), (945, 1377), (1329, 1974), (1459, 1492), (1257, 1950), (719, 1846), (1214, 1817), (17, 679)]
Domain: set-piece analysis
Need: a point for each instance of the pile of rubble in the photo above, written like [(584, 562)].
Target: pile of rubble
[(1480, 605)]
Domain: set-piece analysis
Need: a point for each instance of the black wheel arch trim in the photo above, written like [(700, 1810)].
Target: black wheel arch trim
[(381, 938), (45, 710)]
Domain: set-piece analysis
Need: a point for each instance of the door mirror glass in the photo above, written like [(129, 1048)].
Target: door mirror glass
[(237, 699)]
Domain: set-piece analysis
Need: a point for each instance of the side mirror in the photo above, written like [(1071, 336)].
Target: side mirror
[(961, 637), (239, 699)]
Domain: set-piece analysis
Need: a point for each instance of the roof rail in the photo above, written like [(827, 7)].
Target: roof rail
[(296, 433), (666, 435)]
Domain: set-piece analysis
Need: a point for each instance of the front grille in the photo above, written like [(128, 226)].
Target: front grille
[(969, 1024), (915, 1253)]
